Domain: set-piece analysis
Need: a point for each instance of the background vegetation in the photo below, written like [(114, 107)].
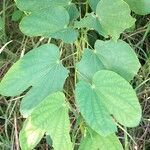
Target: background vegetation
[(13, 45)]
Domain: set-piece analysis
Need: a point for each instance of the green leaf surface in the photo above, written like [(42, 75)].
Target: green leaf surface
[(109, 94), (45, 23), (36, 5), (141, 7), (116, 56), (40, 68), (89, 64), (73, 12), (94, 141), (114, 17), (119, 57), (90, 21), (68, 35), (50, 116), (93, 4), (93, 110), (50, 22)]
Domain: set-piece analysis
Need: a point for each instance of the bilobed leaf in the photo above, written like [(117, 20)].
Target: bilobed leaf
[(47, 85), (40, 68), (50, 117), (48, 19), (119, 57), (109, 94), (116, 56), (114, 16), (90, 21), (45, 23), (36, 5), (94, 141), (141, 7)]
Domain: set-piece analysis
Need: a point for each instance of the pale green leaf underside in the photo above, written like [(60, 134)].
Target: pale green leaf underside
[(141, 7), (109, 94), (116, 56), (40, 68), (91, 22), (114, 16), (94, 141), (50, 116), (36, 5)]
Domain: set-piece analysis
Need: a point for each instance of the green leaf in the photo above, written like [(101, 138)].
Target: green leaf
[(89, 64), (109, 94), (40, 68), (73, 12), (50, 22), (68, 35), (17, 15), (50, 116), (91, 22), (93, 110), (141, 7), (36, 5), (94, 141), (119, 57), (114, 17), (93, 4), (116, 56)]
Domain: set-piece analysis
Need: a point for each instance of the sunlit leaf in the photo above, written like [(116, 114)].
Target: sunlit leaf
[(114, 16), (51, 117)]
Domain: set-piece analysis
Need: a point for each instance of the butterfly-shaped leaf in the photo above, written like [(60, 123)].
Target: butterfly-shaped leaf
[(48, 19), (116, 56), (108, 94), (41, 68), (50, 22)]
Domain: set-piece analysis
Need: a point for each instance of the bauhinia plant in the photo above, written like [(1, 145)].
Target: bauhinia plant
[(103, 94)]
